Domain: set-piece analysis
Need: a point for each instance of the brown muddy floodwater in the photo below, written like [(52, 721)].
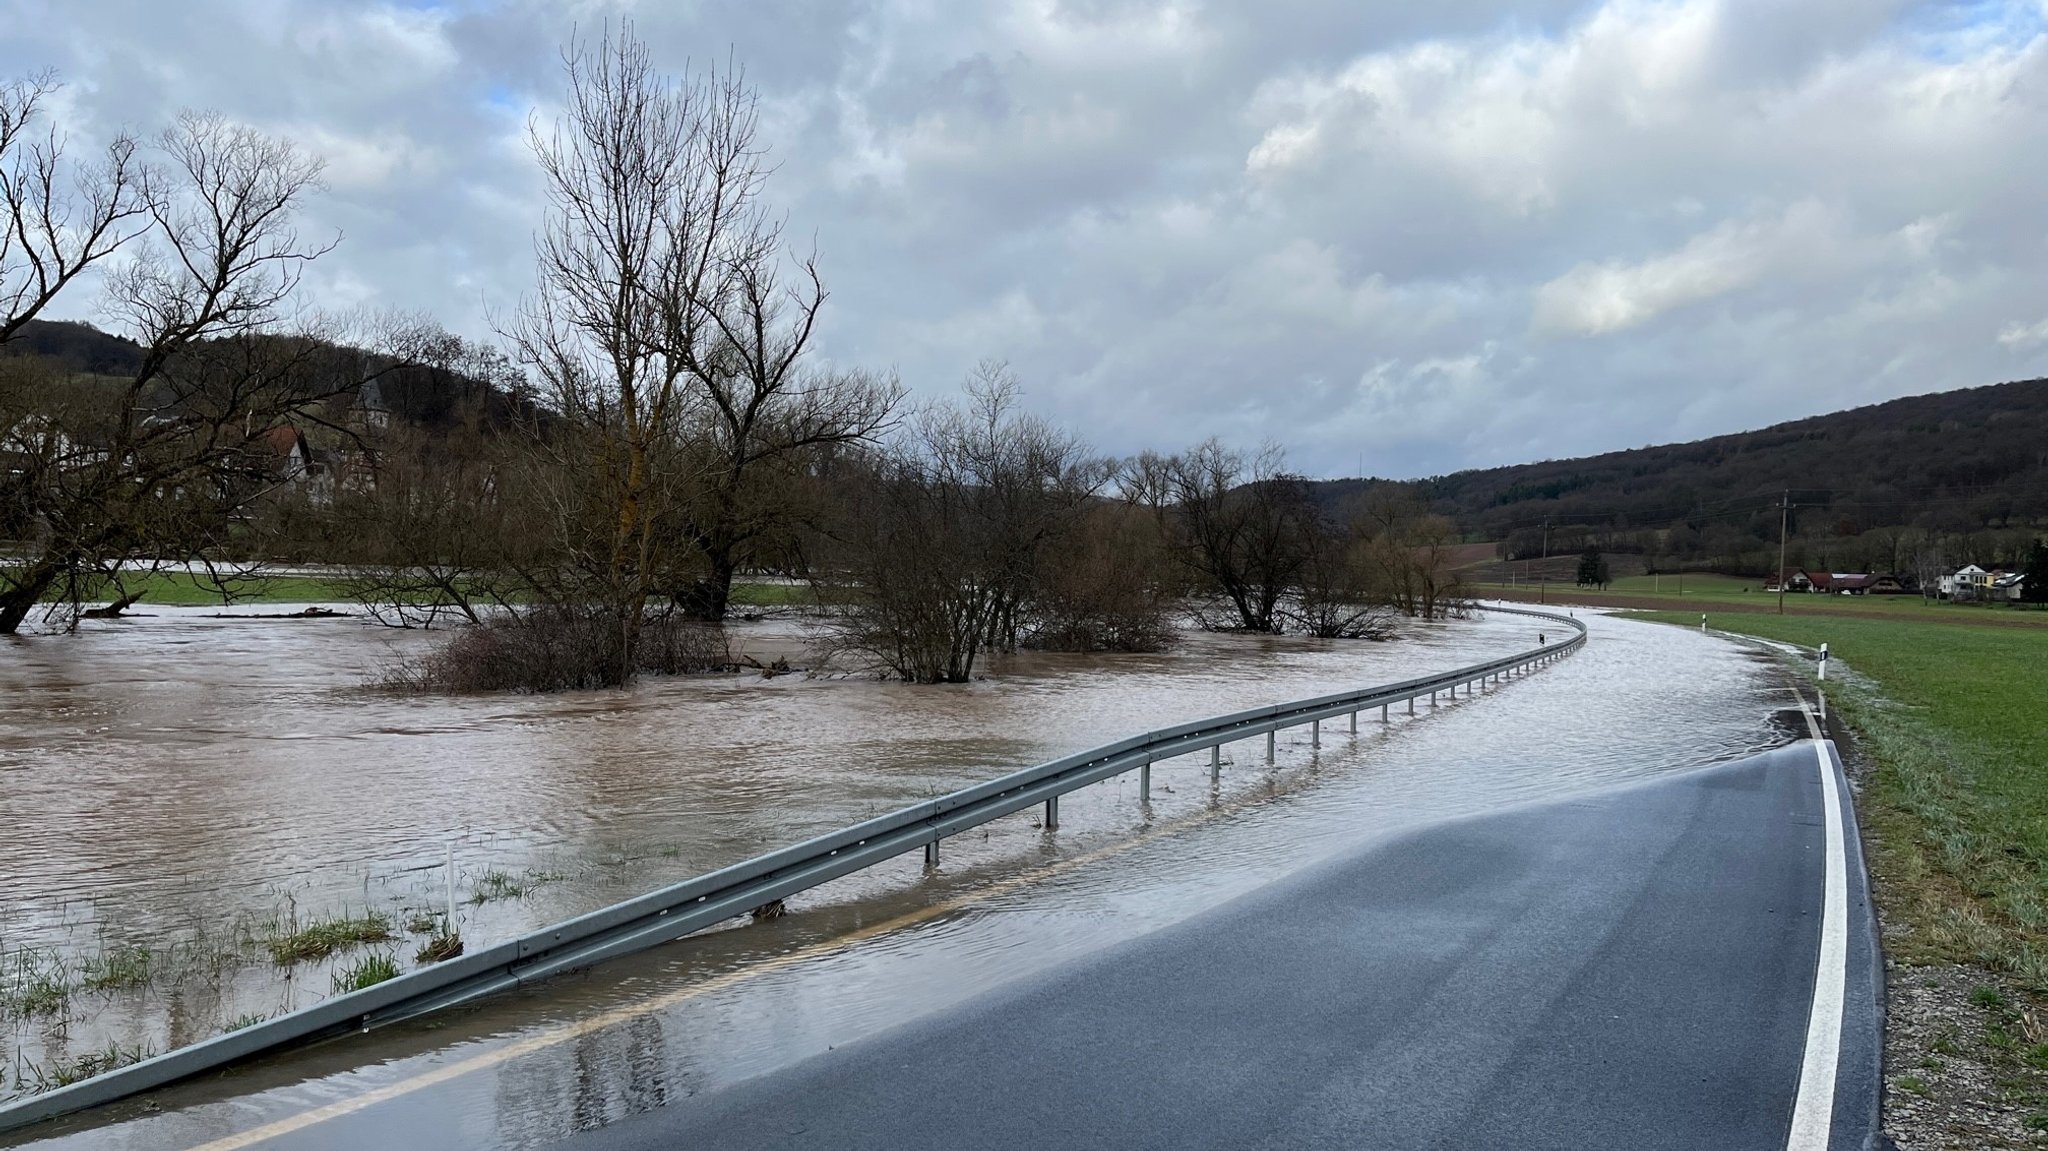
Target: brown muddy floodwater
[(179, 788)]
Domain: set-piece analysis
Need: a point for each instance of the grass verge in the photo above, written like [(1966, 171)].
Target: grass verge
[(1719, 594)]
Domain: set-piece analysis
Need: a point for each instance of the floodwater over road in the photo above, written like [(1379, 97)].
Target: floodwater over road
[(172, 774)]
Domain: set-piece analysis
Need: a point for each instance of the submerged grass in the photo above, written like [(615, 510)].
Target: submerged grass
[(37, 1078), (325, 937), (496, 884), (368, 971), (125, 966), (34, 982)]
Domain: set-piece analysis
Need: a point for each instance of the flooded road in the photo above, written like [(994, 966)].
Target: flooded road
[(616, 792)]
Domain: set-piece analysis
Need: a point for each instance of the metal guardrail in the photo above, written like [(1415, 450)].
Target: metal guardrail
[(692, 905)]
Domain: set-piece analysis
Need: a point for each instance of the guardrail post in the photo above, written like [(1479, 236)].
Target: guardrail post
[(1269, 746), (1145, 783), (1383, 712), (1052, 814), (1315, 734), (1354, 722), (1215, 764), (1432, 699), (931, 856), (1411, 705)]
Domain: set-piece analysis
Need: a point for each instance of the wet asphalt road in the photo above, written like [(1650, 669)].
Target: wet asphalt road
[(1628, 969)]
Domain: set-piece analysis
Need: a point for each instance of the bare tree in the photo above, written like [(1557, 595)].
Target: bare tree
[(942, 537), (1239, 524), (1106, 585), (667, 344), (1410, 551), (636, 200), (1339, 596), (438, 527), (155, 466), (60, 220)]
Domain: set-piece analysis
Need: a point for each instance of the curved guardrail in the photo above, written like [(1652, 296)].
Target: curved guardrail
[(684, 908)]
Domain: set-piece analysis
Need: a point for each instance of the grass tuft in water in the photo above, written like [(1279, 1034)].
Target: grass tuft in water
[(324, 937), (57, 1073), (33, 982), (126, 966), (494, 885), (368, 971), (443, 946)]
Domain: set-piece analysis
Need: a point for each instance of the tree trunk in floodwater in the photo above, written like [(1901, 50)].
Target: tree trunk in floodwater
[(114, 610), (23, 593), (709, 599)]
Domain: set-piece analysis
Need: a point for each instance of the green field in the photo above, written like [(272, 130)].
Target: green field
[(773, 595), (1954, 720), (179, 589), (1714, 594)]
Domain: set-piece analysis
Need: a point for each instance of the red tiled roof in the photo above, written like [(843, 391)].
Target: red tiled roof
[(281, 440)]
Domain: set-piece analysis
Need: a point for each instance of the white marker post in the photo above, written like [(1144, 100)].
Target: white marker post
[(1823, 663), (1703, 623)]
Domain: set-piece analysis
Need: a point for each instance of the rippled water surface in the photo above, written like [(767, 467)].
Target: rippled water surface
[(182, 770)]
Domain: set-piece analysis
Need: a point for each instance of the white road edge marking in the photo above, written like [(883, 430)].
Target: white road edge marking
[(1814, 1109)]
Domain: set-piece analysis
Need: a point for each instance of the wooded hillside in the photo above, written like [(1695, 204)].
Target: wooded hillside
[(1970, 466)]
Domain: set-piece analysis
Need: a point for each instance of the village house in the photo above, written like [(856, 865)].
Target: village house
[(1965, 583), (2007, 587), (1842, 583)]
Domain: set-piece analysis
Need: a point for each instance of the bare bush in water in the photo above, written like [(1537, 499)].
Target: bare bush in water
[(1105, 586), (943, 540), (562, 649)]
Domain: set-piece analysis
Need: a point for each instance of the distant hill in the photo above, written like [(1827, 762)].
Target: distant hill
[(78, 347), (1957, 463), (428, 398)]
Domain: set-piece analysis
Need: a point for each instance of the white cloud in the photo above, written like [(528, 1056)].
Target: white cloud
[(1596, 299), (2020, 337)]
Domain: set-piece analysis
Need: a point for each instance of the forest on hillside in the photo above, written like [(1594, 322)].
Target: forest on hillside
[(1941, 479)]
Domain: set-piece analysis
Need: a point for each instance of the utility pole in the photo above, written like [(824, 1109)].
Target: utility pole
[(1784, 514)]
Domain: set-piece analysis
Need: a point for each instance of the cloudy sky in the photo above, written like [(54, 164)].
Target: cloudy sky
[(1407, 238)]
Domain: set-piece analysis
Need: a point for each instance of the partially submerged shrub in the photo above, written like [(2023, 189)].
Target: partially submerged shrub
[(561, 649)]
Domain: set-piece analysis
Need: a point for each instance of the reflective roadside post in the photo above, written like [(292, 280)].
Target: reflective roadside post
[(1823, 663)]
